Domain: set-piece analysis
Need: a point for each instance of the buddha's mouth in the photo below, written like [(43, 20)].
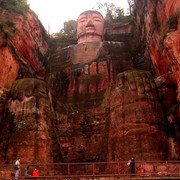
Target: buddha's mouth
[(89, 34), (90, 28)]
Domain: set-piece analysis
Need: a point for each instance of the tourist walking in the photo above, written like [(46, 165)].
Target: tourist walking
[(17, 168)]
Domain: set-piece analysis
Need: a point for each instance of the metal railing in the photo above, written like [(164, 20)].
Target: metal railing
[(96, 169)]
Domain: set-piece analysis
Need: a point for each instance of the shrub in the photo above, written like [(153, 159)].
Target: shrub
[(17, 6)]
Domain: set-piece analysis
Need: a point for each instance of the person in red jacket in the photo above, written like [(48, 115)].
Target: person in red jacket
[(35, 173)]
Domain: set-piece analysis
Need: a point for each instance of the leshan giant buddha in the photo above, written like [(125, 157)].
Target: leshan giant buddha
[(110, 109), (93, 106)]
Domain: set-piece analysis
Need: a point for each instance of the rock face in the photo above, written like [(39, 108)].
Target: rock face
[(22, 50), (158, 24), (96, 100)]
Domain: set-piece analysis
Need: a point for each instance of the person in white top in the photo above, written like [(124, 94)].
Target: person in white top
[(17, 168)]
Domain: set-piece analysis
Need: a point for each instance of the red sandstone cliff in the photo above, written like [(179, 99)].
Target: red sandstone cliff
[(158, 24), (22, 50)]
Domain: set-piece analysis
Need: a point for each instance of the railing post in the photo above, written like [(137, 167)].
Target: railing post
[(167, 167), (68, 169), (93, 169), (44, 169), (118, 168)]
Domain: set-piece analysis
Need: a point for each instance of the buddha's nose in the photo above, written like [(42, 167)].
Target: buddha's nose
[(90, 24)]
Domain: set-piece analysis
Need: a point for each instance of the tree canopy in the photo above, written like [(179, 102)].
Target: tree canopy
[(66, 35), (109, 10), (17, 6), (69, 30)]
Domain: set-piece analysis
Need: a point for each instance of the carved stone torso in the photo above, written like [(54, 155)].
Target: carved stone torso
[(88, 67)]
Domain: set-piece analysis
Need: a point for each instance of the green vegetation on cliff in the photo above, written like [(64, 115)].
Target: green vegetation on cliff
[(16, 6)]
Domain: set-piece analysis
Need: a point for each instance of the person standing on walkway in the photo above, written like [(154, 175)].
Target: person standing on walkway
[(132, 165), (17, 168), (26, 173)]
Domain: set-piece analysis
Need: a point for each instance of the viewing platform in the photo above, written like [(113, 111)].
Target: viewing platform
[(96, 170)]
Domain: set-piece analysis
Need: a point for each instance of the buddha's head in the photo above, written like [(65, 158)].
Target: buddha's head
[(90, 26)]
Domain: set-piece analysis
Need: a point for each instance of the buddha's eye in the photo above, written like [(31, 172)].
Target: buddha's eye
[(82, 20), (97, 20)]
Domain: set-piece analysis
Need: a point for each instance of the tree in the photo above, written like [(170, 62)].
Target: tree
[(17, 6), (110, 10), (68, 31), (66, 35), (130, 3), (70, 27)]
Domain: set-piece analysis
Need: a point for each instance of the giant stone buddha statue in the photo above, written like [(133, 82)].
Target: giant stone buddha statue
[(93, 105), (109, 108)]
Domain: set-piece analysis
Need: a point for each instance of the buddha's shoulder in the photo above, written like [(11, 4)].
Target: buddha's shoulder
[(92, 45), (87, 51)]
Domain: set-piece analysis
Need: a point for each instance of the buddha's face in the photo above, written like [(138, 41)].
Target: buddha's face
[(90, 27)]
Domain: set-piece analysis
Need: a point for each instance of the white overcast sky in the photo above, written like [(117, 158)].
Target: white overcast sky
[(53, 13)]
